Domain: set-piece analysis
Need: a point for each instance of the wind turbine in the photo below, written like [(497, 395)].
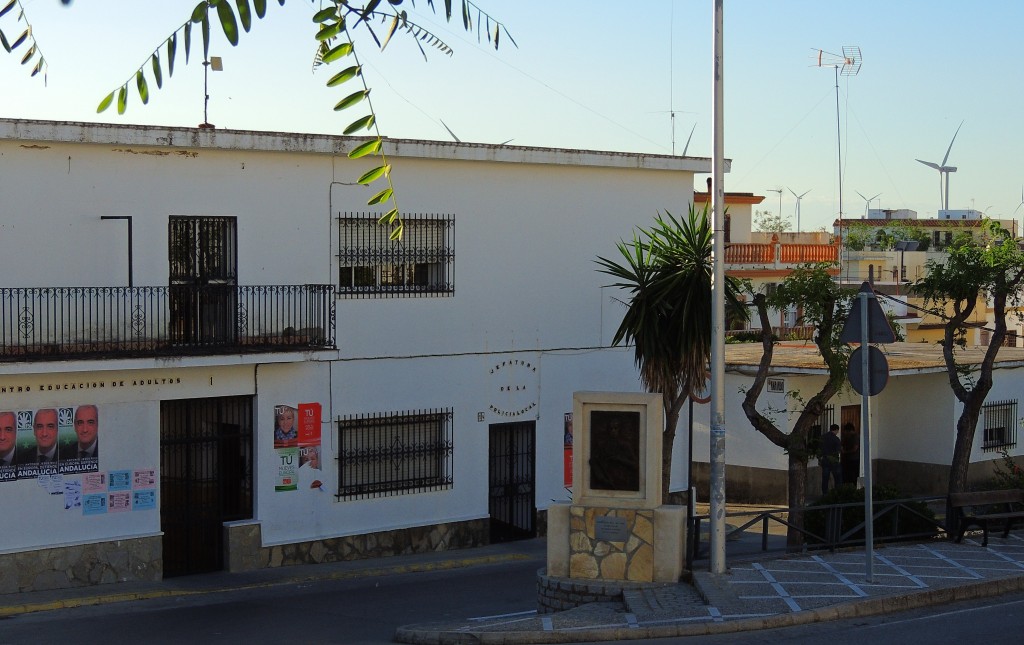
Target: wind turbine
[(944, 170), (798, 198), (867, 202), (1021, 201)]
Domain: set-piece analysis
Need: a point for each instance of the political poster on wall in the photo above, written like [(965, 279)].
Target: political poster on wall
[(49, 441), (297, 446)]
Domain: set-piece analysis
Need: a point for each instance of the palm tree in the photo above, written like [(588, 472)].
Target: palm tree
[(667, 271)]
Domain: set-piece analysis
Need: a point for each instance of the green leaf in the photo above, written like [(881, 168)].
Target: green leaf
[(382, 196), (39, 66), (20, 40), (325, 14), (344, 75), (205, 25), (374, 174), (244, 14), (199, 13), (333, 54), (8, 7), (368, 8), (140, 81), (329, 31), (3, 41), (448, 10), (227, 22), (388, 217), (188, 40), (157, 73), (360, 124), (28, 54), (105, 103), (122, 99), (370, 147), (172, 46), (351, 100), (396, 233), (260, 7)]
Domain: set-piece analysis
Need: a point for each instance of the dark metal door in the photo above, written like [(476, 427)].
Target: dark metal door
[(203, 256), (205, 478), (849, 437), (512, 503)]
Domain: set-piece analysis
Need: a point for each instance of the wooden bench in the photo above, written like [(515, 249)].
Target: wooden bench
[(976, 509)]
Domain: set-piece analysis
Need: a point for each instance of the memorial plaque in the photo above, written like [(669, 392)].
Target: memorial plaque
[(609, 528), (615, 450)]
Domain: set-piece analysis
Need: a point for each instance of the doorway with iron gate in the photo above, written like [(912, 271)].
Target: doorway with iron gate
[(205, 478), (203, 279), (512, 480), (849, 438)]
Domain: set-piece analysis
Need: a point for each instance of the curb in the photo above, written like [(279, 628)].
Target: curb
[(9, 611), (855, 609)]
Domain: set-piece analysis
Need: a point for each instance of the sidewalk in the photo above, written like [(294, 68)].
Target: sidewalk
[(761, 590), (765, 593)]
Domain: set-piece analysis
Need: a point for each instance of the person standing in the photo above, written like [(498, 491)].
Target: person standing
[(830, 468)]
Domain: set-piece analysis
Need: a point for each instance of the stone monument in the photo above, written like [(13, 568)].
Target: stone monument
[(616, 533)]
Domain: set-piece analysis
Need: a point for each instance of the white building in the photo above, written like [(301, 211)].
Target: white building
[(191, 284)]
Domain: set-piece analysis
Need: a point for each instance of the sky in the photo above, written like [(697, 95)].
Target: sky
[(602, 75)]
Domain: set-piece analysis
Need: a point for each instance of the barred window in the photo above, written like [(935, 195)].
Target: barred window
[(372, 265), (381, 455), (1000, 431)]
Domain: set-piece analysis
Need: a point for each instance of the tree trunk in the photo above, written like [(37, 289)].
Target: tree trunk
[(672, 410), (797, 493)]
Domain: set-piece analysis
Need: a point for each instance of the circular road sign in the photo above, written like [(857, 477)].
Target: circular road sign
[(878, 370)]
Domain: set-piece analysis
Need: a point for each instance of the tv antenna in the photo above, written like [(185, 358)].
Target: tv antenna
[(779, 191), (846, 65), (218, 66), (867, 202), (944, 170), (798, 198)]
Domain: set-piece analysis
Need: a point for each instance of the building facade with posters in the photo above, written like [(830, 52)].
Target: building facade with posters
[(239, 370)]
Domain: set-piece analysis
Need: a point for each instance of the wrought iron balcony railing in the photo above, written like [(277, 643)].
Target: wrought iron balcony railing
[(53, 323)]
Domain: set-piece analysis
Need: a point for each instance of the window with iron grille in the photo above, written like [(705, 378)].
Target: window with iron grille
[(381, 455), (1000, 431), (422, 263)]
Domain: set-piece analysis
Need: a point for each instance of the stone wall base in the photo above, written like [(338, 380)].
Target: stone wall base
[(559, 594), (419, 539), (129, 560)]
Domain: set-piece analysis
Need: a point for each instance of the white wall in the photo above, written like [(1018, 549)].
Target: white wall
[(129, 439)]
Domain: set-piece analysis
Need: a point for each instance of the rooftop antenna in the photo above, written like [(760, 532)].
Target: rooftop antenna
[(687, 146), (867, 202), (779, 191), (218, 66), (671, 80), (944, 170), (798, 198), (846, 65)]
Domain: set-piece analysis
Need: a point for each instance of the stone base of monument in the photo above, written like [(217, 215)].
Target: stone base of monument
[(596, 551)]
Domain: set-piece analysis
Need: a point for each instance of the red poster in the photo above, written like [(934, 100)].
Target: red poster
[(309, 423), (567, 450)]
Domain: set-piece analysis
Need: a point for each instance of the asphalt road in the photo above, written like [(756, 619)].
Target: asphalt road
[(356, 611)]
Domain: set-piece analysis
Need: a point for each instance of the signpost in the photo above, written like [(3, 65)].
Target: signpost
[(867, 324)]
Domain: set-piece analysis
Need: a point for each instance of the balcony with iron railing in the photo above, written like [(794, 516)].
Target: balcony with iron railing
[(60, 323)]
